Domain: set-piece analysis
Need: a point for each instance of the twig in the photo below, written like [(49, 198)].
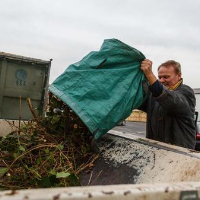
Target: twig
[(85, 166), (32, 110), (37, 147), (42, 146), (98, 175), (11, 124), (20, 105), (32, 170), (69, 163), (90, 178), (7, 166)]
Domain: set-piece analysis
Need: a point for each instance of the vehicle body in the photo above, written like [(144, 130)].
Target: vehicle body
[(197, 125), (197, 147)]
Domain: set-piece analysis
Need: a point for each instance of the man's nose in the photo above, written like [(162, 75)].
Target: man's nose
[(161, 80)]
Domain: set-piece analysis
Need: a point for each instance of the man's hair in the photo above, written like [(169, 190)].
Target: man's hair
[(174, 64)]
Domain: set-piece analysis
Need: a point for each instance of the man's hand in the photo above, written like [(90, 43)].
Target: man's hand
[(146, 67)]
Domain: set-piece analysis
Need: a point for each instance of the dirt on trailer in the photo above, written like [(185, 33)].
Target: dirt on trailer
[(124, 161)]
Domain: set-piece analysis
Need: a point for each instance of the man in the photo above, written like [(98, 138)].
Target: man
[(170, 107)]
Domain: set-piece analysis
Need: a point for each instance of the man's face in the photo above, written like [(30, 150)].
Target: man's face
[(167, 76)]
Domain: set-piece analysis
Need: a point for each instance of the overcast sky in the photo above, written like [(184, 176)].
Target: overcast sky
[(67, 30)]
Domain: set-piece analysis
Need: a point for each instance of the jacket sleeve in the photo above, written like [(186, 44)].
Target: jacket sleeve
[(143, 107), (180, 101)]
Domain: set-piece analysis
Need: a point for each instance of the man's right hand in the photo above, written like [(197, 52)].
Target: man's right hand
[(146, 67)]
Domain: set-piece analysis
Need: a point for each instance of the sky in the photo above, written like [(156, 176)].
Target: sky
[(67, 30)]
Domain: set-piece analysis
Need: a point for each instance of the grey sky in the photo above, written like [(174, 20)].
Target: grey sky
[(67, 30)]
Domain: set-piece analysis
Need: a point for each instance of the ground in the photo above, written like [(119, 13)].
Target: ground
[(135, 128)]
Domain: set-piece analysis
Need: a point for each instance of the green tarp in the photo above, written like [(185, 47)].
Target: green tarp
[(104, 87)]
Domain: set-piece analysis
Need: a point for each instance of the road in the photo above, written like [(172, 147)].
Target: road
[(135, 128)]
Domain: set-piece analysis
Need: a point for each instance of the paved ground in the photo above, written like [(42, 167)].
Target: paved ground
[(135, 128)]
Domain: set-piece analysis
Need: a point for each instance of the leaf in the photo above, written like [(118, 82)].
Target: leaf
[(55, 119), (3, 170), (38, 161), (47, 181), (61, 147), (52, 172), (62, 174), (62, 124), (74, 181), (15, 155), (21, 148), (46, 150)]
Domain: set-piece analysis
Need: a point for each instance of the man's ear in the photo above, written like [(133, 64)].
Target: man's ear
[(179, 76)]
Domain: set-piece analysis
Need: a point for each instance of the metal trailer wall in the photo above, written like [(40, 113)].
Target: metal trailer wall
[(168, 191), (22, 77)]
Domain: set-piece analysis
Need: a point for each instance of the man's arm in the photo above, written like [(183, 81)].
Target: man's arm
[(181, 101)]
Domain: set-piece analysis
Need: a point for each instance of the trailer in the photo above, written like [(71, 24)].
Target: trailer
[(130, 167)]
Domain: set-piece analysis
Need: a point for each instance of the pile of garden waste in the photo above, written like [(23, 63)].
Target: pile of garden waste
[(48, 152)]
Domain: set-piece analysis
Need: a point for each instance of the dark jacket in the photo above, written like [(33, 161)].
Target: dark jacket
[(170, 116)]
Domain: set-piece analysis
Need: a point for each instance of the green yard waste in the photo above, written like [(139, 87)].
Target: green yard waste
[(104, 87)]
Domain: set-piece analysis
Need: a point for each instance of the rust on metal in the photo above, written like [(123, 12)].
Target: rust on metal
[(12, 192), (56, 197), (127, 193), (108, 193)]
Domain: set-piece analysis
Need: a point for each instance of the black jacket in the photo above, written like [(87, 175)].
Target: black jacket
[(170, 117)]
